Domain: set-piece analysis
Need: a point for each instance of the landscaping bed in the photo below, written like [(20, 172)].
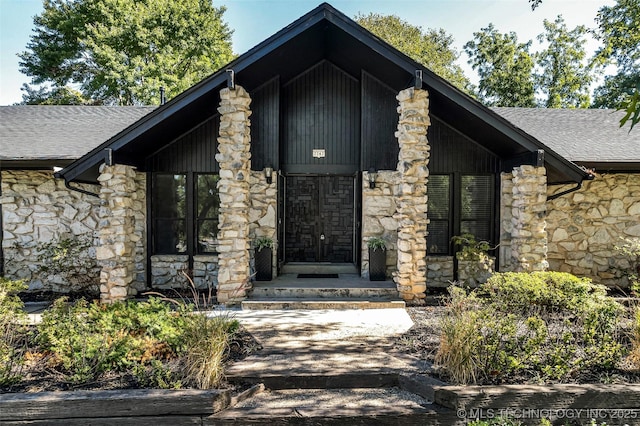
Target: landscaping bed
[(84, 345), (518, 329)]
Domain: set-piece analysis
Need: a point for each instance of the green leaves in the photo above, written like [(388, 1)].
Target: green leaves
[(122, 51), (433, 48), (505, 67), (564, 77), (619, 32)]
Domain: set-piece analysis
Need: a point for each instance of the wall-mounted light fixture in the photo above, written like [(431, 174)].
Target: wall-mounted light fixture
[(372, 177), (268, 173)]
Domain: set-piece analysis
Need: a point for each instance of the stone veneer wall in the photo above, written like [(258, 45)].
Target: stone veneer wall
[(439, 271), (413, 161), (37, 208), (119, 231), (528, 216), (234, 158), (585, 226), (506, 222), (263, 212), (378, 210)]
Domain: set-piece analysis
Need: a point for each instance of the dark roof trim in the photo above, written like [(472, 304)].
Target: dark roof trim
[(33, 164), (324, 11)]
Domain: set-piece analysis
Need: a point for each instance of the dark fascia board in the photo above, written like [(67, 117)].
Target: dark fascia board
[(31, 164), (611, 166), (337, 18)]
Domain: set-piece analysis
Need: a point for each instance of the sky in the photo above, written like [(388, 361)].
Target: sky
[(255, 20)]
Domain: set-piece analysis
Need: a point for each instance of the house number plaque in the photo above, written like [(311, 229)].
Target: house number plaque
[(318, 153)]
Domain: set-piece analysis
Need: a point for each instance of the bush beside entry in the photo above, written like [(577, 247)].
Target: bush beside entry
[(377, 259), (263, 259)]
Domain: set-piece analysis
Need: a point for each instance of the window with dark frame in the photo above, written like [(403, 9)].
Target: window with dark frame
[(458, 204), (185, 213)]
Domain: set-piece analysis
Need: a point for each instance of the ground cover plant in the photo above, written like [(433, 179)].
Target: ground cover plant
[(151, 344), (541, 327)]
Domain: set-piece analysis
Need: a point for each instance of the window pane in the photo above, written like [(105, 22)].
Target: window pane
[(169, 214), (438, 200), (170, 236), (207, 207), (438, 237), (208, 201), (207, 234), (476, 197), (169, 196), (438, 197), (480, 229)]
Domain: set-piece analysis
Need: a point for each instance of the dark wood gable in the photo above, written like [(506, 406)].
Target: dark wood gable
[(265, 125), (321, 110), (192, 152), (452, 151)]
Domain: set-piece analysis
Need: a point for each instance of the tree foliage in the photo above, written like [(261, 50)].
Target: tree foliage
[(619, 31), (505, 68), (432, 48), (122, 51), (564, 78)]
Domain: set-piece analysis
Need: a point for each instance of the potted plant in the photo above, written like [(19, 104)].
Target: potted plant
[(263, 258), (475, 266), (377, 259)]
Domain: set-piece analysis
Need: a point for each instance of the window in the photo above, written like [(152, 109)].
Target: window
[(459, 204), (169, 214), (185, 213), (207, 207)]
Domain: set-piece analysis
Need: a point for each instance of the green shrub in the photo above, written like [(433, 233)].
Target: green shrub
[(546, 291), (13, 331), (69, 258), (547, 325), (89, 339), (634, 354)]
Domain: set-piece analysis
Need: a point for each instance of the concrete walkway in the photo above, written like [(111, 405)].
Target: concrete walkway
[(309, 355)]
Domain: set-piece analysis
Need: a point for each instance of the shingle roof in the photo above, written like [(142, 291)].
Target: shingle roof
[(580, 135), (59, 132)]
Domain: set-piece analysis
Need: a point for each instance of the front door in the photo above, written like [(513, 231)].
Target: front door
[(319, 219)]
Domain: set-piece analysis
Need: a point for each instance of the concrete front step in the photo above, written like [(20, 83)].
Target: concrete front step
[(291, 303), (321, 292), (390, 406)]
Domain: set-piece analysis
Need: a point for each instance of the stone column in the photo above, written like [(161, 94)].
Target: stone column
[(529, 210), (116, 232), (506, 222), (413, 161), (234, 159)]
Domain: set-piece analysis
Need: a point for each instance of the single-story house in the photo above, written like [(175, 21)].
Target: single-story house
[(321, 137)]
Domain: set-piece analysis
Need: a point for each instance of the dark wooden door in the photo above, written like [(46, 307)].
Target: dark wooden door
[(319, 219)]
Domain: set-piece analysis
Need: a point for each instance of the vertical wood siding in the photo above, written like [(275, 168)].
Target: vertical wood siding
[(321, 110), (452, 151), (265, 125), (194, 151), (379, 124)]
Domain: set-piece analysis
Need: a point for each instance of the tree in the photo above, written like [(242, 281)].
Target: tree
[(505, 68), (535, 3), (432, 48), (56, 96), (564, 78), (619, 31), (122, 51)]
